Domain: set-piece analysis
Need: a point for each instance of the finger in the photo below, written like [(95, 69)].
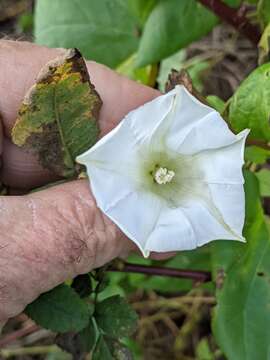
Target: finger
[(1, 138), (56, 234), (162, 256), (21, 169), (1, 143), (118, 93)]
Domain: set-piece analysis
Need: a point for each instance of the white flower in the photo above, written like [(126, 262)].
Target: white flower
[(170, 175)]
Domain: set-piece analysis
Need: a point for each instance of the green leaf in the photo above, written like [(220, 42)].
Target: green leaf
[(78, 343), (224, 254), (88, 337), (57, 120), (250, 105), (196, 70), (134, 347), (26, 22), (242, 319), (102, 351), (115, 317), (104, 31), (216, 102), (165, 30), (203, 351), (60, 310), (141, 8), (145, 75), (264, 181), (256, 154), (171, 26), (264, 11), (264, 46)]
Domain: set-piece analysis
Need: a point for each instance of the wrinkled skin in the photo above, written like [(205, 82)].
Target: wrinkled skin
[(58, 233)]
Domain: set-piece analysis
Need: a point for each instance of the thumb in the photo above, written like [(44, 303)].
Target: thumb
[(48, 237)]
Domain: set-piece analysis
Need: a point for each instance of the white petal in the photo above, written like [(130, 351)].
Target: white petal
[(223, 165), (136, 215), (206, 227), (209, 132), (115, 150), (145, 120), (188, 112), (172, 232), (135, 212), (230, 200), (197, 127), (108, 187)]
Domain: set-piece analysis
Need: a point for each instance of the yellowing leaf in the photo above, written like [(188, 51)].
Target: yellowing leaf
[(264, 46), (58, 118)]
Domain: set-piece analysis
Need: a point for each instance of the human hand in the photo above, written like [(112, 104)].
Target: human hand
[(58, 233)]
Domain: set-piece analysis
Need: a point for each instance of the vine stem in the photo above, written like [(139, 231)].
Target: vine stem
[(35, 350), (196, 275), (235, 17), (260, 143)]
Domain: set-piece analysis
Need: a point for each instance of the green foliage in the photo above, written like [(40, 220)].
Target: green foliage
[(104, 31), (256, 154), (203, 351), (173, 25), (102, 350), (264, 11), (115, 317), (60, 310), (141, 8), (57, 119), (195, 68), (264, 181), (195, 259), (250, 105), (26, 22), (88, 336), (145, 75), (79, 343), (216, 103), (108, 348), (264, 43), (243, 295), (174, 61), (165, 31)]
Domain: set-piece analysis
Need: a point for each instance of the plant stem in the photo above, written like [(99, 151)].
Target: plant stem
[(260, 143), (173, 303), (235, 17), (196, 275), (35, 350)]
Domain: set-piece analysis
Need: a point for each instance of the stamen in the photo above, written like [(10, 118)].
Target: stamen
[(163, 175)]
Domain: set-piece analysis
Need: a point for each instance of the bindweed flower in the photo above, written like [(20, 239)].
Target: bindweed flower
[(170, 175)]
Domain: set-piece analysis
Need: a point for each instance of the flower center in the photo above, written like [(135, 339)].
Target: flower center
[(163, 176)]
